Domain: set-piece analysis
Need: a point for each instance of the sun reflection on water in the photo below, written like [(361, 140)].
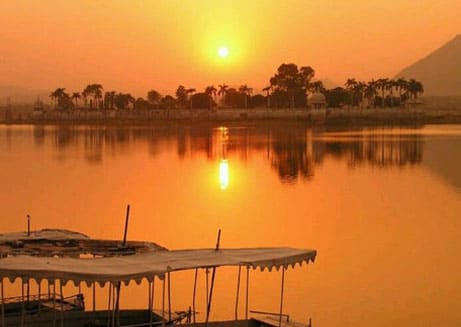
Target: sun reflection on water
[(224, 174)]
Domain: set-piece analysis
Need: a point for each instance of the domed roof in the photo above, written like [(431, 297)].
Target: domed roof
[(316, 98)]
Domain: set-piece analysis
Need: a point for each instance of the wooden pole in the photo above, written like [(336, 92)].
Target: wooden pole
[(281, 296), (108, 305), (22, 303), (151, 302), (62, 303), (247, 291), (28, 225), (94, 296), (39, 296), (117, 303), (193, 296), (2, 298), (213, 274), (238, 292), (163, 301), (127, 218), (54, 303), (169, 296)]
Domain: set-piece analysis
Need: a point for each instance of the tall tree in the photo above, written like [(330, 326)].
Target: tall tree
[(181, 95), (153, 97), (222, 91), (415, 88), (351, 85), (268, 90), (190, 92), (76, 96), (245, 91), (211, 92)]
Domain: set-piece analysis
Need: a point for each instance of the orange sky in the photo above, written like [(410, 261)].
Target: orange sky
[(135, 46)]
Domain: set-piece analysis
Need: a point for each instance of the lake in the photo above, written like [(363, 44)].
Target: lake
[(381, 205)]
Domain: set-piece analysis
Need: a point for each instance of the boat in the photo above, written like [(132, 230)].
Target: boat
[(52, 258)]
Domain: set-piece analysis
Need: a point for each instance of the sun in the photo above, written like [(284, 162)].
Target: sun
[(223, 52)]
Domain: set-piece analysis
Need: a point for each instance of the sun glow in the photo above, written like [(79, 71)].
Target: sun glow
[(223, 52), (224, 174)]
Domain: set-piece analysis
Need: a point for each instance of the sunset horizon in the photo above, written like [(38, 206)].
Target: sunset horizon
[(138, 46)]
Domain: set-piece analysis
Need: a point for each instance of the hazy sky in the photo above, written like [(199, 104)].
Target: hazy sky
[(135, 45)]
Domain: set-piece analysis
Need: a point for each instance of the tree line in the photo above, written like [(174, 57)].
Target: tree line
[(289, 87)]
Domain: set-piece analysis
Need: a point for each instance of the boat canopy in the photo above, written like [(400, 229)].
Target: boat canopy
[(146, 265)]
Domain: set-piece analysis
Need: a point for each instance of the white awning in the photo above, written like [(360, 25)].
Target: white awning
[(147, 265)]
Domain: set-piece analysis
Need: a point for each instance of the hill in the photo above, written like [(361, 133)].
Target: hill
[(440, 71)]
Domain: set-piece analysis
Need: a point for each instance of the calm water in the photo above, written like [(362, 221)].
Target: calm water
[(381, 206)]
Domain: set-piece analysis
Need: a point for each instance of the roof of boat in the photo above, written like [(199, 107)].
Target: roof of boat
[(141, 264), (147, 265)]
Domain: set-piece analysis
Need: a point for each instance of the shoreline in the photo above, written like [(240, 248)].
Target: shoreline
[(313, 117)]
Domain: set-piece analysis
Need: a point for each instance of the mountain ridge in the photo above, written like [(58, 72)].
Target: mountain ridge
[(439, 71)]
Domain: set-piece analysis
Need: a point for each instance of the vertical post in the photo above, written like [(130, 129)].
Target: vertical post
[(94, 296), (28, 225), (213, 274), (151, 301), (2, 298), (163, 301), (193, 296), (117, 303), (281, 296), (62, 303), (169, 296), (28, 291), (238, 292), (112, 310), (54, 303), (126, 225), (206, 286), (22, 303), (108, 305), (39, 296), (247, 291)]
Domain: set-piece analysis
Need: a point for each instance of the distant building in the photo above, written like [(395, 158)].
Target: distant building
[(316, 101)]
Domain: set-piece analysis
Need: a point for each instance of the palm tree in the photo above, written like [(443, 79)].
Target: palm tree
[(222, 92), (415, 88), (370, 91), (268, 90), (191, 92), (402, 85), (351, 85), (57, 94), (246, 91), (211, 91), (75, 96), (391, 84), (382, 84), (94, 90)]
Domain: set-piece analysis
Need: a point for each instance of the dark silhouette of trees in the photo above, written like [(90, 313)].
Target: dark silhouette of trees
[(414, 88), (167, 102), (211, 92), (245, 91), (181, 96), (268, 89), (75, 97), (190, 92), (222, 91), (154, 97), (95, 92), (291, 83)]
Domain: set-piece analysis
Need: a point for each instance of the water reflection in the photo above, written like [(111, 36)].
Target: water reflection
[(293, 151)]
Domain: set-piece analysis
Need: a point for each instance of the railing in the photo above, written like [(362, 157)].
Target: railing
[(272, 314)]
